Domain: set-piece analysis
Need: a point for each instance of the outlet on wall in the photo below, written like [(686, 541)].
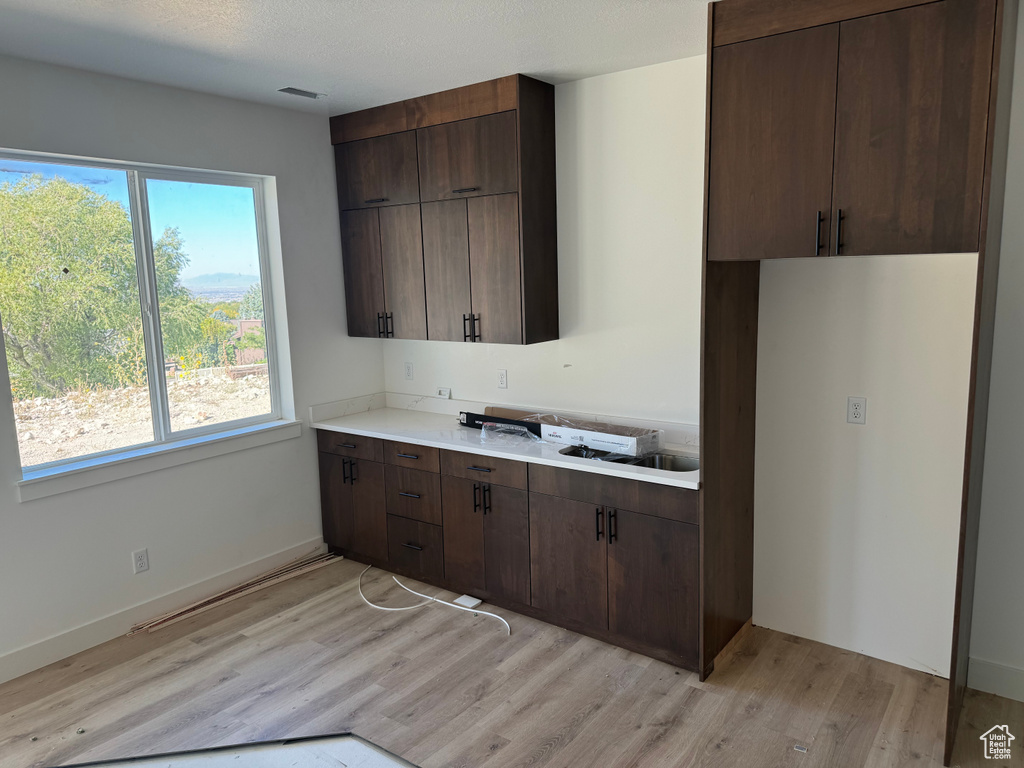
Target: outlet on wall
[(408, 371), (857, 410), (140, 561), (502, 378)]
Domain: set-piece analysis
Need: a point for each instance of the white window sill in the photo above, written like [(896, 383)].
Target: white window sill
[(38, 484)]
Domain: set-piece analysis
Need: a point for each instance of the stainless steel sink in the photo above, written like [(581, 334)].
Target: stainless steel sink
[(670, 462)]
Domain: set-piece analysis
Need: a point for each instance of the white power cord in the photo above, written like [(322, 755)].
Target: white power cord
[(427, 600)]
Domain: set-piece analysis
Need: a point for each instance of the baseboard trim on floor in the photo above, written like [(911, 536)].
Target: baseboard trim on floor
[(37, 655), (990, 677)]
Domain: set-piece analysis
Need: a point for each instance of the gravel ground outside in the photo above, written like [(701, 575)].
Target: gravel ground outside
[(82, 423)]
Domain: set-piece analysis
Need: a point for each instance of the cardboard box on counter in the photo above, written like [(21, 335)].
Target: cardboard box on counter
[(629, 441)]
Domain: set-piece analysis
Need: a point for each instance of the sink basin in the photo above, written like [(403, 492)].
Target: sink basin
[(671, 462)]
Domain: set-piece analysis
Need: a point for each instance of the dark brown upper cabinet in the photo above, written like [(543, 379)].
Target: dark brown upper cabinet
[(861, 137), (772, 130), (911, 125), (483, 164), (377, 171), (468, 157), (382, 251)]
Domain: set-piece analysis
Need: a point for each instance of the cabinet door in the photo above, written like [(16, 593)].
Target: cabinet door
[(446, 269), (364, 280), (773, 103), (469, 157), (654, 582), (416, 548), (569, 560), (910, 128), (463, 533), (335, 501), (368, 509), (507, 543), (401, 246), (378, 171), (494, 268)]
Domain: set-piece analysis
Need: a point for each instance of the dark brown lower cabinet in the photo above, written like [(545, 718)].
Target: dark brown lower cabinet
[(569, 559), (653, 582), (415, 548), (487, 538), (353, 506)]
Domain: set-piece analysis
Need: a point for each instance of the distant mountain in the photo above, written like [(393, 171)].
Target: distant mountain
[(219, 281)]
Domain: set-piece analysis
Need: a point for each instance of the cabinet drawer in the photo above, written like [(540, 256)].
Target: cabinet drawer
[(484, 469), (669, 502), (468, 158), (415, 548), (588, 487), (414, 494), (412, 456), (353, 446)]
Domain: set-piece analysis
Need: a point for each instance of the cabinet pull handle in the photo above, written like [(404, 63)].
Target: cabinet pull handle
[(413, 546), (476, 497), (352, 477), (465, 327), (839, 231), (375, 200), (409, 495), (613, 525), (479, 469), (406, 455), (380, 325), (817, 234), (464, 189), (344, 472), (487, 498), (389, 325), (476, 327), (345, 445), (598, 522)]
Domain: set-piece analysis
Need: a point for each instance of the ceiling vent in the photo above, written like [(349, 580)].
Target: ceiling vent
[(299, 92)]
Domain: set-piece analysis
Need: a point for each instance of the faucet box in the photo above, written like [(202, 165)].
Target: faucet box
[(628, 441)]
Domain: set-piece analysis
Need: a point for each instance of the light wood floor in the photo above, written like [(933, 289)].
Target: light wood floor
[(445, 688)]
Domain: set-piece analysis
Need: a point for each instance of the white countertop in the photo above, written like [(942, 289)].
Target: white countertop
[(444, 431)]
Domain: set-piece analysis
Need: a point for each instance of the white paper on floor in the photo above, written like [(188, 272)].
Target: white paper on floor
[(327, 752)]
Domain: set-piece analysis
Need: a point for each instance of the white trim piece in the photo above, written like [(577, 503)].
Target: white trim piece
[(37, 655), (95, 470), (991, 677)]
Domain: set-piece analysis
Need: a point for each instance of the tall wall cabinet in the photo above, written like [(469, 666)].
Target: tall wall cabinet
[(836, 128), (448, 215)]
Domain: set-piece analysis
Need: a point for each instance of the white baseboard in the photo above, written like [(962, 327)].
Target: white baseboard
[(990, 677), (31, 657)]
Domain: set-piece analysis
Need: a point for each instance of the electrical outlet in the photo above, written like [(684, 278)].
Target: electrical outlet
[(140, 561), (408, 371), (857, 410), (502, 378), (444, 392)]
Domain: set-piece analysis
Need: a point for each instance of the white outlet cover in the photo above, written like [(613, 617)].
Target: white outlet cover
[(502, 378), (857, 410), (444, 392), (140, 561), (408, 371)]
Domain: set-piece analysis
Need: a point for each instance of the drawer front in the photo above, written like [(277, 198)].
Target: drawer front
[(412, 456), (415, 548), (671, 503), (588, 487), (414, 494), (352, 446), (484, 469)]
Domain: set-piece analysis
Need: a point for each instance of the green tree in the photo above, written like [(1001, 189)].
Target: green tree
[(69, 295), (251, 307)]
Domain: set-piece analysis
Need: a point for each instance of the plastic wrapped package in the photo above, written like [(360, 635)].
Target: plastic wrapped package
[(612, 438), (513, 435)]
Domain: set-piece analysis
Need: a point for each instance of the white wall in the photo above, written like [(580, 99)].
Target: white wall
[(856, 526), (997, 640), (65, 561), (630, 165)]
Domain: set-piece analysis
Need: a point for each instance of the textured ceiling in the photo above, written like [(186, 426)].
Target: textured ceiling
[(361, 53)]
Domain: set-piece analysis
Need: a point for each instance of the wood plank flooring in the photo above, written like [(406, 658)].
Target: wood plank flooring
[(445, 689)]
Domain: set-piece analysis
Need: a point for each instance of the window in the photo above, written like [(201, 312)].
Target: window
[(134, 304)]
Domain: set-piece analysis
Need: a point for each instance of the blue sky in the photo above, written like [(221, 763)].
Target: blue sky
[(217, 222)]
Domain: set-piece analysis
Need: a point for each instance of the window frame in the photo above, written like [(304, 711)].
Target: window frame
[(149, 308)]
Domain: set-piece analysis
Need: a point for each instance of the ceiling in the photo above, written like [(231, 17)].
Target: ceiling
[(361, 53)]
